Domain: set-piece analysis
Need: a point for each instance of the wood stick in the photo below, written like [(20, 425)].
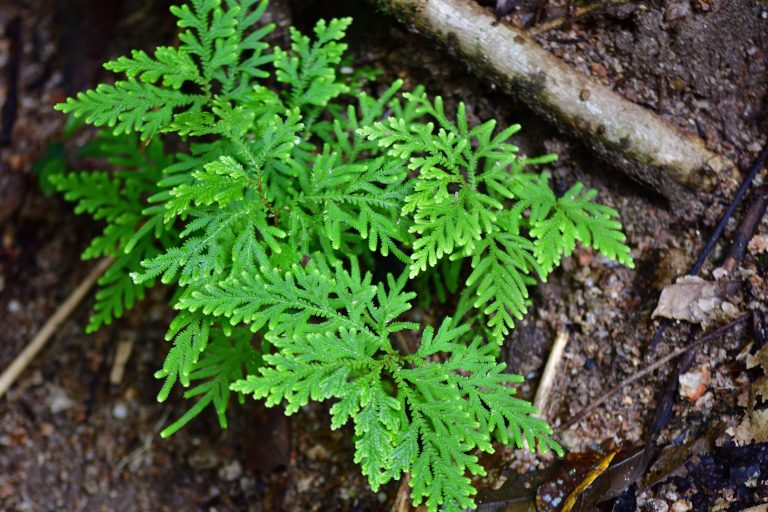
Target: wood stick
[(26, 356), (623, 133), (550, 372)]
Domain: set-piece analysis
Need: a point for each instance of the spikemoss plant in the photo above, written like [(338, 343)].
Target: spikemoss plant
[(291, 186)]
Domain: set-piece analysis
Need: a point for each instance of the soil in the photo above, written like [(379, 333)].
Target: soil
[(71, 439)]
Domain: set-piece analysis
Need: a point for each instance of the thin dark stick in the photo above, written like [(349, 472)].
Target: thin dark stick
[(758, 165), (10, 107), (652, 368), (747, 228)]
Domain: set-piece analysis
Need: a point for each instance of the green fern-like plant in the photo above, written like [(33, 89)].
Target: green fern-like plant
[(290, 186)]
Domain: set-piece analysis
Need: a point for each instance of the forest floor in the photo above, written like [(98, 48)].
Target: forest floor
[(72, 439)]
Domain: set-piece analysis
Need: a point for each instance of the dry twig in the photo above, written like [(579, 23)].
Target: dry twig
[(550, 372), (26, 356)]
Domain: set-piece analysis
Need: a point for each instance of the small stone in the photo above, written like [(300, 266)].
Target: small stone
[(231, 471), (91, 487), (677, 10), (695, 383), (6, 490), (120, 411), (14, 307), (598, 70), (584, 94), (203, 458), (681, 506), (58, 400)]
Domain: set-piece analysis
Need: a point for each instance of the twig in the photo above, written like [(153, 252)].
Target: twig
[(122, 354), (652, 368), (402, 500), (747, 229), (756, 168), (570, 16), (627, 135), (26, 356), (550, 372), (664, 407)]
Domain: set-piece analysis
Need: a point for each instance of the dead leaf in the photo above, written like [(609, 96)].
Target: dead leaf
[(672, 459), (552, 494), (595, 472), (754, 426), (696, 300), (757, 508), (752, 429), (516, 494)]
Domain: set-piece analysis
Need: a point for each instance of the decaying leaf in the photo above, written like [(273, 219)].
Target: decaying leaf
[(754, 427), (595, 472), (757, 508), (516, 494), (758, 244), (591, 478), (672, 459), (696, 300)]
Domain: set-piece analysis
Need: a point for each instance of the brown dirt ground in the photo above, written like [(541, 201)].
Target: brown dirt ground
[(71, 440)]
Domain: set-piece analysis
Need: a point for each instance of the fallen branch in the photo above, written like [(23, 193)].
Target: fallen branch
[(623, 133), (26, 356)]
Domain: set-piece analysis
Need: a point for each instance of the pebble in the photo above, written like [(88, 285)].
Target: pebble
[(677, 10), (231, 471), (598, 70), (58, 400), (91, 487), (14, 307), (203, 458), (120, 411), (695, 383)]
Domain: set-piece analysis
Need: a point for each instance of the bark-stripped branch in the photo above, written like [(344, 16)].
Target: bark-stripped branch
[(625, 134)]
